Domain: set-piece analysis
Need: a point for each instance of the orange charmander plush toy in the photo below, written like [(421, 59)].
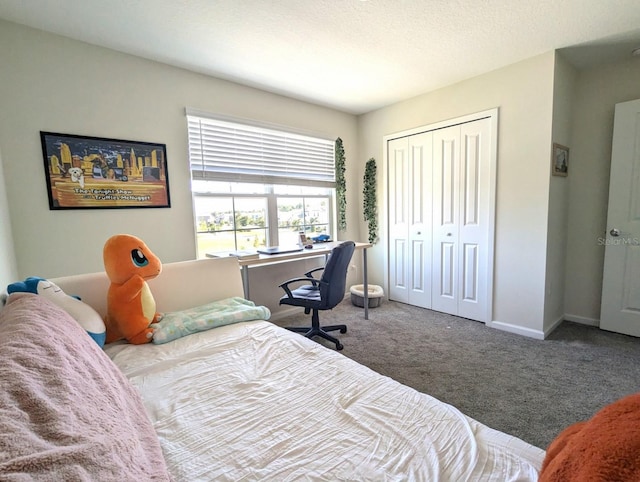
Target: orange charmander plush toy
[(130, 304)]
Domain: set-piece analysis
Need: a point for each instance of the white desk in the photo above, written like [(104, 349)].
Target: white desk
[(320, 249)]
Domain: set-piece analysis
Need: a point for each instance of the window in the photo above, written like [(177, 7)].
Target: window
[(255, 186)]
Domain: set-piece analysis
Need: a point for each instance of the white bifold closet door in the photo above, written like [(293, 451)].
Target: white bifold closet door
[(439, 208), (461, 219), (410, 211)]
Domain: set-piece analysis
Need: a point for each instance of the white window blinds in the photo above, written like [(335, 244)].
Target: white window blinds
[(227, 151)]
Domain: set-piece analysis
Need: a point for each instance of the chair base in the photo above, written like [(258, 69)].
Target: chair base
[(316, 330), (310, 332)]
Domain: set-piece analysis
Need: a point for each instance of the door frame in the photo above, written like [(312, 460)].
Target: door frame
[(491, 114)]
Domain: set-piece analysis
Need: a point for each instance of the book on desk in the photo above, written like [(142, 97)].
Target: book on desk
[(280, 249), (245, 254)]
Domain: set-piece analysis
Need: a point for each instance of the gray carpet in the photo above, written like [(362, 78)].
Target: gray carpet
[(528, 388)]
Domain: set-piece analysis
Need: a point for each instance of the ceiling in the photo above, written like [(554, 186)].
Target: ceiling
[(351, 55)]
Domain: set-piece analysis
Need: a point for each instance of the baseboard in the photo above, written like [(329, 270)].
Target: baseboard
[(553, 326), (541, 335), (519, 330), (582, 320)]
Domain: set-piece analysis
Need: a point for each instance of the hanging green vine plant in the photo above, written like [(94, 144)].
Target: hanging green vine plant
[(369, 204), (341, 186)]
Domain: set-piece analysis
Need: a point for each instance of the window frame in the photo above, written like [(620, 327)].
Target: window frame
[(201, 146), (272, 228)]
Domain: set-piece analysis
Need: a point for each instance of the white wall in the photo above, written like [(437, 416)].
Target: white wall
[(523, 92), (50, 83), (8, 268), (563, 89), (597, 91)]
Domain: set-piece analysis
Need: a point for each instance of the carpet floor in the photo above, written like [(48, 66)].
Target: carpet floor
[(528, 388)]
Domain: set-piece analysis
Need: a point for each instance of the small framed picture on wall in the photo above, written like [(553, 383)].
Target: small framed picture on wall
[(559, 160)]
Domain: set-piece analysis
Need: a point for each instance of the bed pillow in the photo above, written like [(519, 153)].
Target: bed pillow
[(177, 324), (84, 314), (66, 411), (604, 448)]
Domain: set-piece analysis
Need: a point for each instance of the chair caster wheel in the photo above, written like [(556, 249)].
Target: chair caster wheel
[(343, 330), (339, 346)]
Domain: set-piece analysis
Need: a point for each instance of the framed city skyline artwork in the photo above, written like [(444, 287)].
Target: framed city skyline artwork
[(85, 172)]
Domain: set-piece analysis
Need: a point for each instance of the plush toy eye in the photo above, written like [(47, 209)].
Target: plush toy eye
[(138, 258)]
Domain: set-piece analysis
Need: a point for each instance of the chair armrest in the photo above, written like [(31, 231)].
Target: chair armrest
[(285, 285), (309, 273)]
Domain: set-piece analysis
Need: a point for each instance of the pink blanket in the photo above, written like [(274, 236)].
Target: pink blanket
[(66, 411)]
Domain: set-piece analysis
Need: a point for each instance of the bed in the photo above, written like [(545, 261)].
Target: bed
[(245, 401)]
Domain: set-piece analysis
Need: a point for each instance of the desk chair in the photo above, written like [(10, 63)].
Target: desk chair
[(322, 294)]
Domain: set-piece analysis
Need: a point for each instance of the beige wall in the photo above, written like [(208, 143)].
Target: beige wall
[(55, 84), (51, 83), (597, 91), (8, 269), (523, 92), (563, 89)]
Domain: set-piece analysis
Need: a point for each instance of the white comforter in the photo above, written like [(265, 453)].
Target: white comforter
[(252, 401)]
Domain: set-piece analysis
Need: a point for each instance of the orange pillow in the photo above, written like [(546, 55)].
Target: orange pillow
[(605, 448)]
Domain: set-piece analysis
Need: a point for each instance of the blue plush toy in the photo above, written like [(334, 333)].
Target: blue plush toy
[(87, 317)]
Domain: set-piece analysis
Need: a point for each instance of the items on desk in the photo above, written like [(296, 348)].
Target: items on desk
[(279, 249), (321, 238), (245, 254)]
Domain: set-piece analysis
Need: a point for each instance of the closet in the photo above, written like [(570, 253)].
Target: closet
[(440, 217)]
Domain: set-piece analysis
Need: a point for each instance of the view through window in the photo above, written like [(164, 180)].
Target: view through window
[(255, 204)]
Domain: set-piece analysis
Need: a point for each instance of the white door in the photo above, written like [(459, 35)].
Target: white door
[(420, 181), (446, 219), (410, 178), (398, 162), (620, 308), (461, 219), (475, 242)]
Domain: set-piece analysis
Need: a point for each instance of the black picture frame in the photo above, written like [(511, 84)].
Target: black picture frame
[(85, 172)]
